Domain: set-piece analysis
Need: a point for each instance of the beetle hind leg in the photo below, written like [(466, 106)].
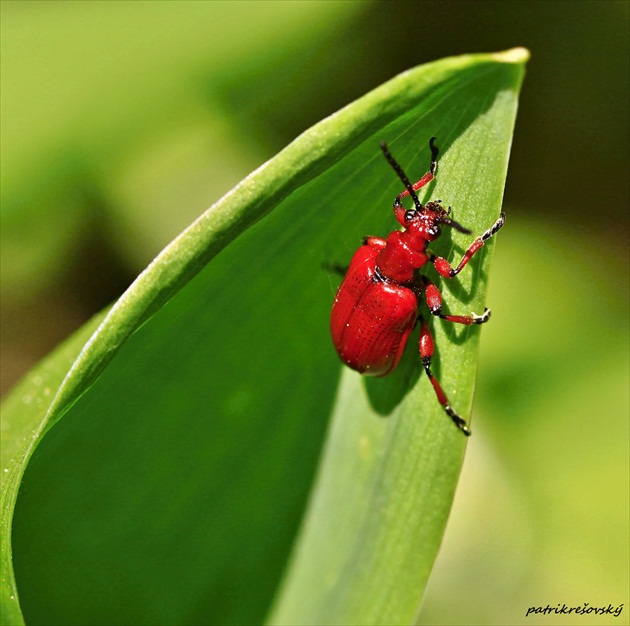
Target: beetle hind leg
[(426, 354)]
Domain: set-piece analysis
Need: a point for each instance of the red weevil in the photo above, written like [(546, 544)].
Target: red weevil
[(378, 302)]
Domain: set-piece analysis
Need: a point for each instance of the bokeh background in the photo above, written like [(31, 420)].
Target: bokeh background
[(122, 122)]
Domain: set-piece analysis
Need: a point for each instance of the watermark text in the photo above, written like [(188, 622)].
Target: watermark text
[(585, 609)]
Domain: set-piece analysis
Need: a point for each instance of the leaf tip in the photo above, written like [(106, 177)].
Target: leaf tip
[(514, 55)]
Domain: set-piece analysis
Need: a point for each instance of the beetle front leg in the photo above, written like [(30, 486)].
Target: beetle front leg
[(426, 354), (444, 268), (410, 190), (434, 302), (427, 178)]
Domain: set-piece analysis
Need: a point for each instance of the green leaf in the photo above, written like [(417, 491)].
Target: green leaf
[(392, 458), (173, 488)]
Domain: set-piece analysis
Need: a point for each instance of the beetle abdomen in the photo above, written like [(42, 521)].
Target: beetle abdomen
[(371, 319)]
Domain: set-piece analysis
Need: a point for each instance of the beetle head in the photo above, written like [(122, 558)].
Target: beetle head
[(430, 219), (441, 216), (432, 216), (425, 222)]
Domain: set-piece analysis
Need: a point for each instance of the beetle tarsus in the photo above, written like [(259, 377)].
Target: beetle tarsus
[(459, 421), (482, 319), (494, 228)]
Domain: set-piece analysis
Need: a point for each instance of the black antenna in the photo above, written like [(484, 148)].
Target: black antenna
[(401, 174), (456, 225)]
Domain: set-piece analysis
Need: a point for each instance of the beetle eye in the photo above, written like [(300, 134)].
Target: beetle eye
[(409, 215)]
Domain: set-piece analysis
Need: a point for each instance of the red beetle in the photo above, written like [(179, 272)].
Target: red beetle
[(377, 305)]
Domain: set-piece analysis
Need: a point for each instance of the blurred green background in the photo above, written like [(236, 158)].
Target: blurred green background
[(121, 122)]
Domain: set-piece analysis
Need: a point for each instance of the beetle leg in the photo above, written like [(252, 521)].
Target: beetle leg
[(428, 177), (378, 243), (434, 302), (426, 353), (410, 190), (444, 267), (399, 210)]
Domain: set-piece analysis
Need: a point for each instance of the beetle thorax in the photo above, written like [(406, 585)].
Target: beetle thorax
[(404, 254)]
